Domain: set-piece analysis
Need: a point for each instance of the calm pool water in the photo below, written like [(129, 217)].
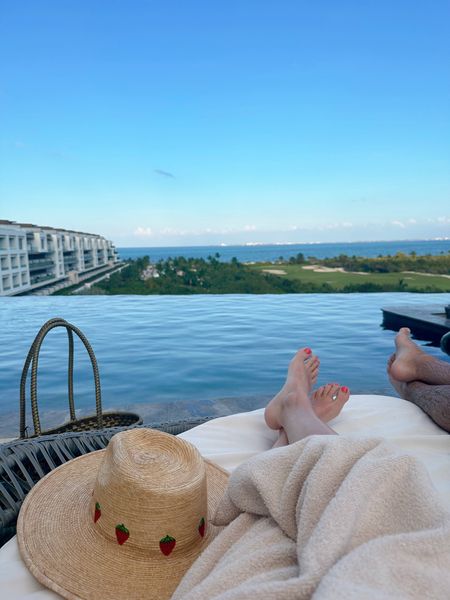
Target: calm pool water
[(170, 356)]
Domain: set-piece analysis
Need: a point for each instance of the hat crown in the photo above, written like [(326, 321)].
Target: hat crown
[(152, 486)]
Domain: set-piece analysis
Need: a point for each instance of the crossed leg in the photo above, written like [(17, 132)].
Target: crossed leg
[(421, 379)]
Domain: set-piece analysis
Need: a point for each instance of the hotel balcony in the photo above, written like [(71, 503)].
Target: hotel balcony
[(38, 264), (70, 265), (40, 278)]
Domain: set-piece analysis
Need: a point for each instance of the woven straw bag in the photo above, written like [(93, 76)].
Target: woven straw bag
[(98, 421)]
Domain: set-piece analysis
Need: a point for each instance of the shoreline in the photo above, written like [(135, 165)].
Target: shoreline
[(271, 252)]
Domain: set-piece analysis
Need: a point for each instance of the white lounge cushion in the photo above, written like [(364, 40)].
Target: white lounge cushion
[(231, 440)]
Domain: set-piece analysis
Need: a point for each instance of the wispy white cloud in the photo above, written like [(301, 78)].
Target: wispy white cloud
[(334, 225), (171, 231), (326, 230), (438, 220), (143, 232)]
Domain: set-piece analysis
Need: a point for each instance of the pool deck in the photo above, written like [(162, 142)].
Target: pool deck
[(154, 412), (428, 322)]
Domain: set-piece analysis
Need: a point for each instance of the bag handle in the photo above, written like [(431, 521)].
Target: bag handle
[(33, 357)]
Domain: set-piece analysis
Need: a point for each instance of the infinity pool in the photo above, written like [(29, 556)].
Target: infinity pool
[(168, 357)]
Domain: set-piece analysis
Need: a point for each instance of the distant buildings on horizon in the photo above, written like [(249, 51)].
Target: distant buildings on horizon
[(40, 260), (250, 244)]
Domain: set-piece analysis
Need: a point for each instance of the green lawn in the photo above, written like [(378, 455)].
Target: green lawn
[(338, 280)]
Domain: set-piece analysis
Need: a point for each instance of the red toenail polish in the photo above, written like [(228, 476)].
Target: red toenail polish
[(344, 389), (308, 350)]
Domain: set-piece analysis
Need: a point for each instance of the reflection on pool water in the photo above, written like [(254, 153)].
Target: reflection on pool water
[(194, 354)]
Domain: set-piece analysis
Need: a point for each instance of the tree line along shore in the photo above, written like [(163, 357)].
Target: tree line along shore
[(340, 274)]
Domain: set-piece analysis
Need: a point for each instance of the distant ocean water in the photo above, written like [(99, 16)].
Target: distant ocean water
[(272, 252)]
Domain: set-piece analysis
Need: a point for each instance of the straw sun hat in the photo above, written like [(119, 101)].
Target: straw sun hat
[(122, 523)]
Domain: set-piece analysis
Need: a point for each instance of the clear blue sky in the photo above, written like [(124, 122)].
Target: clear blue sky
[(195, 122)]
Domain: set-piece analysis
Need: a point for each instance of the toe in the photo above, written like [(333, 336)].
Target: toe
[(315, 370), (303, 354), (321, 392), (333, 391), (343, 394)]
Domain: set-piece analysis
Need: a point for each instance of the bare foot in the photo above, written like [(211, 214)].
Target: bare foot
[(328, 400), (399, 386), (405, 363), (302, 370)]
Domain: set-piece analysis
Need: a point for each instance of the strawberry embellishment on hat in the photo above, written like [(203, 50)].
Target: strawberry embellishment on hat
[(202, 527), (97, 512), (167, 544), (122, 534)]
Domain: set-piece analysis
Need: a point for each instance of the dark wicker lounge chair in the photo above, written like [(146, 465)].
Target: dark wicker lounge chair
[(24, 462)]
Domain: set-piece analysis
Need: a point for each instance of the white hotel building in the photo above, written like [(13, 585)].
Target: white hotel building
[(36, 259)]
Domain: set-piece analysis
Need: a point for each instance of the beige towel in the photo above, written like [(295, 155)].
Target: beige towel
[(328, 517)]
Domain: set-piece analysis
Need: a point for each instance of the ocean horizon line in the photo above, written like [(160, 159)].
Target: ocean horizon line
[(250, 244)]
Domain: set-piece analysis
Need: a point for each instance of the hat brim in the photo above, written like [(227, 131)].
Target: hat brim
[(64, 551)]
